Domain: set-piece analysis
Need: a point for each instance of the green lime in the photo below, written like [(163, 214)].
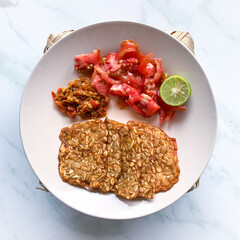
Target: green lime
[(175, 90)]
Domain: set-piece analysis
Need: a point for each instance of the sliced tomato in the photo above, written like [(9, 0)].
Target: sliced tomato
[(130, 64), (133, 93), (146, 106), (131, 79), (86, 61), (158, 75), (170, 115), (101, 86), (149, 88), (162, 115), (105, 76), (118, 90), (149, 106), (146, 68), (96, 56), (111, 63), (166, 107), (136, 108), (152, 94), (129, 49), (167, 112), (127, 46), (127, 91)]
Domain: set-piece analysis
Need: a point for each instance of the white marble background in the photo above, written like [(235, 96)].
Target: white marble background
[(210, 212)]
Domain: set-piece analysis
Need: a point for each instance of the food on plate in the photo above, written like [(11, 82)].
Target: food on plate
[(128, 182), (81, 98), (175, 90), (82, 155), (132, 76), (133, 159), (113, 153), (159, 170)]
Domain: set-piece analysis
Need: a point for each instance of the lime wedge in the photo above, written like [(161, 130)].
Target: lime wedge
[(175, 90)]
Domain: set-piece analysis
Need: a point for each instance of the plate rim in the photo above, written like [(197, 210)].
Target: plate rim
[(215, 114)]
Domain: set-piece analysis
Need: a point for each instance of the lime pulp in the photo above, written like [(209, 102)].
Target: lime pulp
[(175, 90)]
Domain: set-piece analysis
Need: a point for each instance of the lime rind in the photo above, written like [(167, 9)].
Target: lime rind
[(175, 90)]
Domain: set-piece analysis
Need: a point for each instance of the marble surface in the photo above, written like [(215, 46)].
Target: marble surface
[(210, 212)]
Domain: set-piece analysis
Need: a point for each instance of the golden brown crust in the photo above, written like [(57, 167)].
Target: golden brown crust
[(81, 155), (160, 170), (128, 182), (133, 159), (113, 163)]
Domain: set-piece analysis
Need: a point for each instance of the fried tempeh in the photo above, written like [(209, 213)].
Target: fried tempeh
[(128, 182), (148, 177), (113, 154), (163, 167), (82, 153), (133, 159)]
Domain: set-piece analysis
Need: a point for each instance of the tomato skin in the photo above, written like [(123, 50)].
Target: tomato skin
[(86, 61), (129, 78), (136, 108), (162, 115), (152, 94), (167, 112), (158, 75), (170, 115), (146, 106), (146, 68), (167, 107), (127, 91), (118, 90), (111, 63), (149, 106), (101, 86), (130, 64), (104, 75), (133, 93), (127, 46)]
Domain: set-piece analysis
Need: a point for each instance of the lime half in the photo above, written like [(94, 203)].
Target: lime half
[(175, 90)]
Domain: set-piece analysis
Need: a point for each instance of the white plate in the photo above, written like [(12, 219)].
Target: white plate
[(41, 121)]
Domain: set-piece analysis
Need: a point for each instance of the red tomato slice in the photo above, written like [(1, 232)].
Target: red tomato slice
[(131, 79), (96, 56), (130, 64), (105, 76), (84, 61), (166, 107), (149, 106), (129, 49), (101, 86), (158, 75), (170, 115), (118, 90), (152, 94), (146, 68), (149, 88), (125, 90), (127, 46), (167, 112), (111, 63), (162, 115), (133, 93), (135, 107)]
